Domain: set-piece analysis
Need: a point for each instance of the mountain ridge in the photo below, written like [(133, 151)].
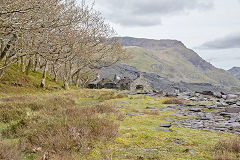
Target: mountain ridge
[(173, 60), (235, 71)]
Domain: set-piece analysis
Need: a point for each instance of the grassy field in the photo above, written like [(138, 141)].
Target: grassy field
[(78, 124), (92, 124)]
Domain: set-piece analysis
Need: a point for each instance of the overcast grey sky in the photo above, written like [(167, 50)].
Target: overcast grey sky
[(210, 27)]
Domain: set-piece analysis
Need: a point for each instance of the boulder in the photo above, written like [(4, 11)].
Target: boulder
[(232, 96), (166, 125)]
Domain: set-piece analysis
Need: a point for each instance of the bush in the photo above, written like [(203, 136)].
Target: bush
[(227, 149), (53, 127), (174, 101), (69, 134), (11, 112), (8, 151), (108, 96)]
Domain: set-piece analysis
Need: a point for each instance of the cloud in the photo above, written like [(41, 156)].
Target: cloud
[(146, 12), (230, 41)]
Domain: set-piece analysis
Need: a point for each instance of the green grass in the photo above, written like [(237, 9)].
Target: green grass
[(43, 109), (15, 82), (136, 133)]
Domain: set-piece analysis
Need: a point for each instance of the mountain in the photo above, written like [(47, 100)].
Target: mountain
[(235, 71), (173, 60)]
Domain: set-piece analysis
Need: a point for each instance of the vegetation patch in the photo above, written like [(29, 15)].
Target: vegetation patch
[(174, 101)]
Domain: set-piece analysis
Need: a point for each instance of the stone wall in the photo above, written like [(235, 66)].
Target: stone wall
[(141, 81)]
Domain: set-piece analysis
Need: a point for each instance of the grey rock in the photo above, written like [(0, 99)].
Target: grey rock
[(134, 114), (195, 110), (192, 151), (119, 106), (150, 149), (232, 96), (150, 108), (167, 125), (151, 103), (225, 114), (179, 142)]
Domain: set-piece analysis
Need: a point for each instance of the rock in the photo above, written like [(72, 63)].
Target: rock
[(190, 151), (150, 108), (126, 102), (238, 103), (233, 110), (150, 149), (193, 99), (232, 96), (224, 96), (195, 110), (221, 104), (225, 114), (166, 125), (168, 119), (119, 106), (134, 114), (217, 94), (151, 103), (209, 93), (231, 101), (179, 142)]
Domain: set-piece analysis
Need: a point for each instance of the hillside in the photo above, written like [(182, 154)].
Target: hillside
[(16, 82), (173, 60), (235, 71)]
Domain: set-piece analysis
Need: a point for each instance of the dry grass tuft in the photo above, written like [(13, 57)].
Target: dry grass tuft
[(174, 101), (55, 127), (227, 149), (151, 113), (8, 151)]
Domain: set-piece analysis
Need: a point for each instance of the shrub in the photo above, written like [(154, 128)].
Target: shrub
[(108, 96), (76, 133), (11, 112), (174, 101), (227, 149), (54, 127), (8, 151)]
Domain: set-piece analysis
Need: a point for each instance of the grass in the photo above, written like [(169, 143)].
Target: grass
[(174, 101), (15, 82), (85, 124), (92, 124)]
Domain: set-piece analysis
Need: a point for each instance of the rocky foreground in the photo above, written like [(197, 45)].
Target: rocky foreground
[(207, 112)]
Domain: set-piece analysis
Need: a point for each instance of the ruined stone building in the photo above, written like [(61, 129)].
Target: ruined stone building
[(141, 83)]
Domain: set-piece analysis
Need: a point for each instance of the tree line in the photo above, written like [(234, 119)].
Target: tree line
[(66, 40)]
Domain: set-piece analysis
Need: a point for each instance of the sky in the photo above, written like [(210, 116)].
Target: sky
[(209, 27)]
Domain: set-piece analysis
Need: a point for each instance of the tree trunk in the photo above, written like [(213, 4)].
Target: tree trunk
[(29, 66), (77, 80), (22, 64), (36, 63), (2, 73), (43, 82), (66, 85), (18, 61)]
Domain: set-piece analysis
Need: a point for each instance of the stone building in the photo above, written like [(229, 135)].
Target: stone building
[(141, 83)]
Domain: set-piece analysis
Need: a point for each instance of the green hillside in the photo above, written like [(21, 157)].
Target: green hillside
[(16, 82), (171, 59)]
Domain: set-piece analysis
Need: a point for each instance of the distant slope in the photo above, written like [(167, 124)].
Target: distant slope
[(173, 60), (235, 71)]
